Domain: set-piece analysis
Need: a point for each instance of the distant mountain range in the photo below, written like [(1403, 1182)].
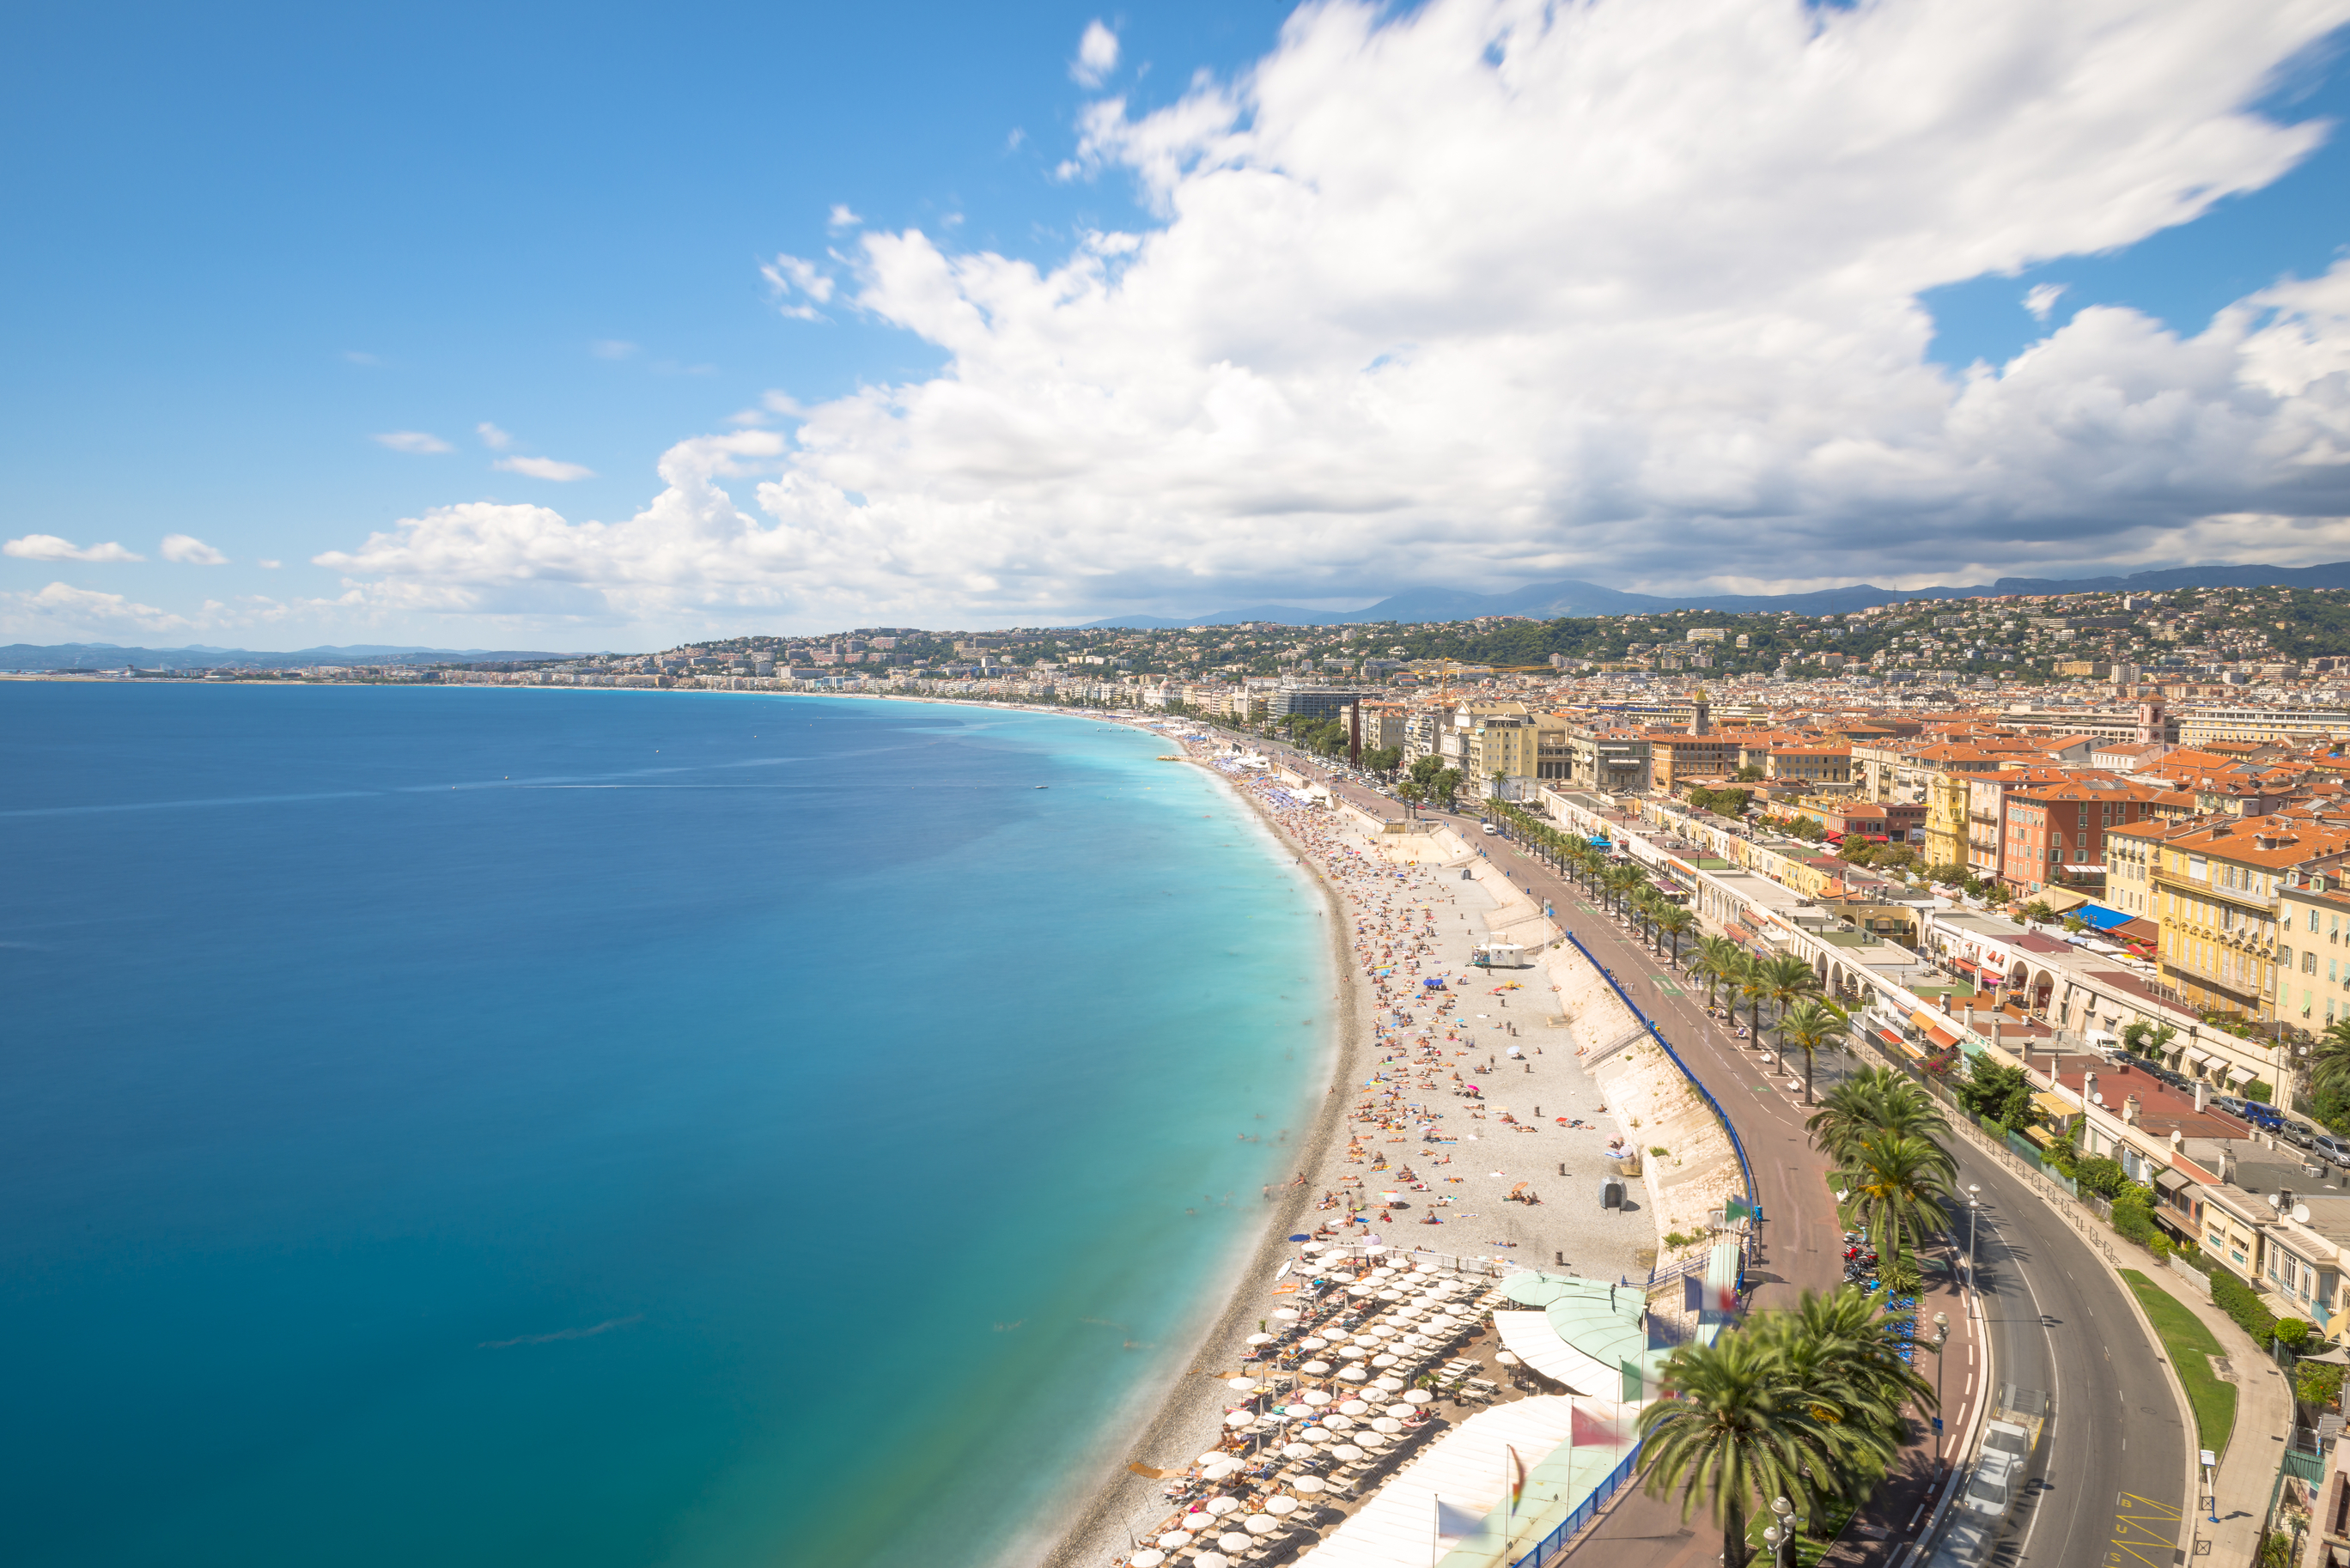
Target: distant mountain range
[(1547, 601), (108, 656)]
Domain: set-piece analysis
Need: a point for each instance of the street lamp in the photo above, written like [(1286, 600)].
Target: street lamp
[(1781, 1537), (1974, 1202), (1941, 1337)]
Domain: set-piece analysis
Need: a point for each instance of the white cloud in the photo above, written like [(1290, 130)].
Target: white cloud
[(545, 468), (1495, 290), (842, 218), (1097, 55), (191, 551), (49, 548), (2042, 299), (788, 276), (611, 349), (492, 437), (63, 611), (413, 441), (271, 565)]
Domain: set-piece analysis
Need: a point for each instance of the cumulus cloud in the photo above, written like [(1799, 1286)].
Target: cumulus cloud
[(62, 609), (799, 286), (413, 440), (545, 468), (492, 437), (842, 218), (1097, 55), (191, 551), (1495, 290), (2041, 297), (49, 548)]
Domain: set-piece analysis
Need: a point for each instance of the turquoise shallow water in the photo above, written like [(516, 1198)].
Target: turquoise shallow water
[(506, 1127)]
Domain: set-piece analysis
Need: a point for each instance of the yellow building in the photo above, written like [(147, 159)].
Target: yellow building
[(1945, 819), (2219, 897)]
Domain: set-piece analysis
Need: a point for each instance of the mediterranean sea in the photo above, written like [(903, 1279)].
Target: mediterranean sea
[(539, 1126)]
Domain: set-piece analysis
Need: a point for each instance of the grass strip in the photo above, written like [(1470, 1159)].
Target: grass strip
[(2191, 1346)]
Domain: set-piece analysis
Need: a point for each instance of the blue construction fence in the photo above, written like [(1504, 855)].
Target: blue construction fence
[(1552, 1547), (1745, 1170)]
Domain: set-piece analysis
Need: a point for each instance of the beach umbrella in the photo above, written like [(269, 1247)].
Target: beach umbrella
[(1213, 1559), (1391, 1295), (1384, 1361), (1225, 1468), (1354, 1375), (1313, 1342), (1149, 1557), (1362, 1291), (1298, 1451), (1505, 1358), (1399, 1411), (1374, 1247), (1315, 1369), (1233, 1541), (1373, 1440), (1278, 1506), (1239, 1385), (1285, 1315), (1353, 1352), (1338, 1423), (1220, 1506), (1260, 1339), (1309, 1485), (1317, 1434), (1174, 1541), (1314, 1396), (1417, 1395), (1214, 1457), (1241, 1419), (1311, 1247), (1346, 1451), (1258, 1524), (1389, 1383), (1302, 1236), (1387, 1424), (1353, 1407)]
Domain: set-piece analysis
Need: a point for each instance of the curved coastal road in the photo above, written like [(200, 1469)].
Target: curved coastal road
[(2106, 1485)]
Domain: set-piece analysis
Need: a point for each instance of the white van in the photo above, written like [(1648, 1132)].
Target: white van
[(1491, 828)]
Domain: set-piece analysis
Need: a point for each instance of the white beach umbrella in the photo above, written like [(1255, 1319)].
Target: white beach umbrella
[(1387, 1424), (1390, 1295), (1149, 1557), (1174, 1541), (1312, 1342), (1233, 1541), (1346, 1451), (1373, 1248), (1214, 1457), (1354, 1375), (1353, 1407), (1317, 1434), (1311, 1247), (1353, 1352), (1365, 1290), (1399, 1411), (1417, 1395), (1390, 1384), (1315, 1369), (1241, 1385), (1373, 1440), (1277, 1506), (1213, 1559), (1241, 1419), (1220, 1506), (1261, 1339), (1505, 1358), (1309, 1485), (1224, 1468), (1285, 1315), (1258, 1524), (1314, 1396), (1384, 1361), (1338, 1423)]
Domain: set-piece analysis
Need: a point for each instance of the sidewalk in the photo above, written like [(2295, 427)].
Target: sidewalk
[(2248, 1468)]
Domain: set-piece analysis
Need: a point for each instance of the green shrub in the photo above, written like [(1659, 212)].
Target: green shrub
[(2257, 1090), (2316, 1384), (2238, 1300), (2132, 1221), (2161, 1245), (2291, 1331), (2101, 1175)]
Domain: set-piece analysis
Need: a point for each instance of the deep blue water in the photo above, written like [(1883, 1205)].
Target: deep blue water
[(515, 1127)]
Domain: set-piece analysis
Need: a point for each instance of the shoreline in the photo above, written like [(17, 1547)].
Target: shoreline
[(1094, 1532)]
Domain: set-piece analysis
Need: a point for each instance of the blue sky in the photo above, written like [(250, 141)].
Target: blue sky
[(253, 240)]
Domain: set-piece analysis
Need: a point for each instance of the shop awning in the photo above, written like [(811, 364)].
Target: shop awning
[(2171, 1181), (2097, 918), (1966, 964), (2239, 1075), (1944, 1038), (2198, 1057), (2052, 1104), (1738, 933), (1929, 1021)]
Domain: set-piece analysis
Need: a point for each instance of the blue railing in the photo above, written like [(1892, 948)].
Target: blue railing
[(1552, 1547), (1736, 1148)]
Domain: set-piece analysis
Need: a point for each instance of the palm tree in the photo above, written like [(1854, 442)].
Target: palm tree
[(1754, 984), (1736, 1428), (1894, 1187), (1621, 879), (1790, 978), (1812, 1026), (1839, 1344), (1675, 921), (1872, 1101), (1716, 960), (2329, 1060)]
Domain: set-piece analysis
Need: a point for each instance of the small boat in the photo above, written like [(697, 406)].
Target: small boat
[(1043, 787)]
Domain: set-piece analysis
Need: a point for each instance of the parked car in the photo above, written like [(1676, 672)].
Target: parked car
[(2331, 1148), (2234, 1105)]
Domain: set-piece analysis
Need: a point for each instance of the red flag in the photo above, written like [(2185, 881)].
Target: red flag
[(1517, 1476), (1593, 1430)]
